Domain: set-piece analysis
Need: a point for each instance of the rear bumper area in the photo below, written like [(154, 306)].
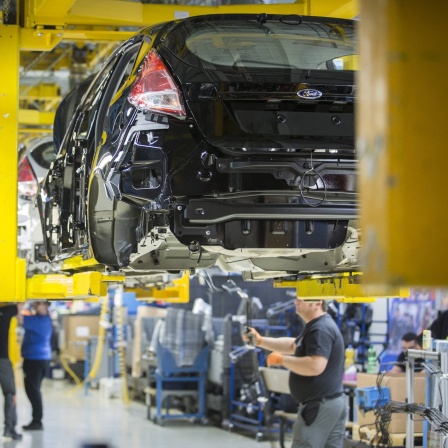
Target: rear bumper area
[(234, 225), (203, 211)]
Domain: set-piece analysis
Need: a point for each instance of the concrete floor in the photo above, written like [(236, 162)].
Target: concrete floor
[(72, 420)]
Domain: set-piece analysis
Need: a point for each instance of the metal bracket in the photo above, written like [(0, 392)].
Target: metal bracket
[(341, 287), (177, 292)]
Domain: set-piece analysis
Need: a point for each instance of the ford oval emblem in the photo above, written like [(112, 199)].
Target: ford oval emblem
[(309, 94)]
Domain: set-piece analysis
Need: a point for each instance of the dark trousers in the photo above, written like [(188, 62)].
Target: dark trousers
[(34, 371), (9, 391), (327, 430)]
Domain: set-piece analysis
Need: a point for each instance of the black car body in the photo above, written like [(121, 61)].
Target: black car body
[(215, 140), (35, 157)]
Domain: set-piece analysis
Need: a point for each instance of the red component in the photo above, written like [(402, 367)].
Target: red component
[(27, 180), (155, 90)]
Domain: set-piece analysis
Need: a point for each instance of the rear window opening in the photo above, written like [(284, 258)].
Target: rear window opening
[(240, 44)]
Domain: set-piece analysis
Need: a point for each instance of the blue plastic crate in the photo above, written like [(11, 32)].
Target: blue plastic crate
[(371, 397)]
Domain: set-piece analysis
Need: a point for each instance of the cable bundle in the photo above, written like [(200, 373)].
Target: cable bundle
[(383, 412)]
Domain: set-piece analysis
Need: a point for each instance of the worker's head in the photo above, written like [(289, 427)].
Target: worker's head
[(410, 341), (41, 307), (310, 309)]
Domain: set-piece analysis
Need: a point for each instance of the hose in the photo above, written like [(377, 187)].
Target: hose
[(13, 342), (68, 369), (121, 343)]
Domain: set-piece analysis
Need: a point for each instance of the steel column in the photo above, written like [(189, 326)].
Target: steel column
[(12, 269)]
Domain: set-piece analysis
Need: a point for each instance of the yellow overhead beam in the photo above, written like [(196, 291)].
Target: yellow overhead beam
[(108, 11), (402, 141), (42, 90), (124, 13), (63, 287), (47, 39), (44, 28), (91, 282), (82, 285), (52, 8), (341, 287), (35, 117), (12, 269), (26, 132), (97, 35)]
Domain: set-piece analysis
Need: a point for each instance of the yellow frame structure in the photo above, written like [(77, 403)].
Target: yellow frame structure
[(12, 269), (45, 25)]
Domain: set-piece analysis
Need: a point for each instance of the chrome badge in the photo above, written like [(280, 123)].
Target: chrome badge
[(309, 94)]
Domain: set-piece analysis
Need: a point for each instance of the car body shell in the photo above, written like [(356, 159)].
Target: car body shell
[(258, 176), (35, 156)]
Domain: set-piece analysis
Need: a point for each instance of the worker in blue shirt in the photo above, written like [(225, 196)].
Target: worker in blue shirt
[(36, 353), (7, 383)]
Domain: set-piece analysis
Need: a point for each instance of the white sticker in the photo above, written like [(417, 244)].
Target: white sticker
[(181, 14), (82, 332)]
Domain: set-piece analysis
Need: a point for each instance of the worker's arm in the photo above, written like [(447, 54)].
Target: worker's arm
[(281, 345), (286, 346), (304, 365)]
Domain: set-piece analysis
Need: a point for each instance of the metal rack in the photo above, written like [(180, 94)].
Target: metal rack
[(254, 407), (168, 376), (252, 415), (430, 357)]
